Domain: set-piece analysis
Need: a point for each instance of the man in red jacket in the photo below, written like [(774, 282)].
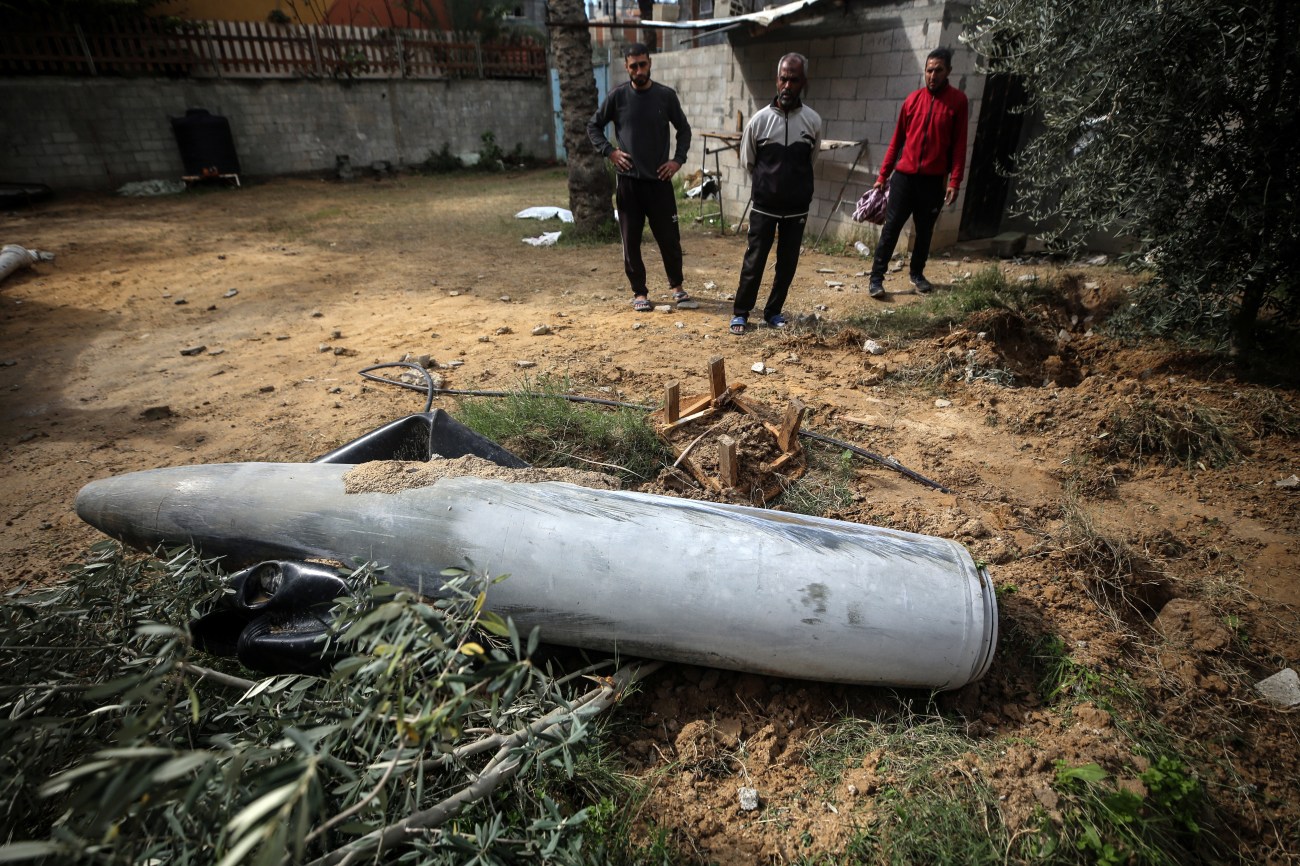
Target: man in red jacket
[(929, 145)]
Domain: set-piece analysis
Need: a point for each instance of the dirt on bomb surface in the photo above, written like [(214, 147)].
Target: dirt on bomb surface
[(291, 286)]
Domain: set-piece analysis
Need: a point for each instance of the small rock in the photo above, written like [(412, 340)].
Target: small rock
[(221, 256), (504, 299), (8, 363), (710, 285), (834, 284), (230, 293), (942, 404), (1092, 285), (485, 339), (825, 270), (524, 365), (679, 325), (760, 368), (821, 308), (156, 413), (636, 326), (266, 389), (453, 294), (688, 305), (873, 347), (1282, 689), (282, 336), (1291, 483), (541, 330), (456, 363), (194, 350), (210, 308), (216, 351), (663, 308), (748, 798), (316, 314), (425, 361), (323, 347), (336, 335), (504, 329)]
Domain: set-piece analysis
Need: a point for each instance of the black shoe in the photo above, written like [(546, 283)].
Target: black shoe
[(876, 288), (921, 284)]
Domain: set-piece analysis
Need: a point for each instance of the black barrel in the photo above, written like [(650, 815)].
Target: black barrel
[(207, 147)]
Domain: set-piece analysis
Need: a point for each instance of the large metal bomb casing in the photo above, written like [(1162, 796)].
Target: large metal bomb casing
[(704, 583)]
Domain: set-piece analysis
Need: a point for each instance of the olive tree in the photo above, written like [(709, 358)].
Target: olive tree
[(1171, 123)]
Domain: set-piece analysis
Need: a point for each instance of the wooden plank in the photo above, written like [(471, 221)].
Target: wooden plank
[(717, 377), (728, 469), (696, 405), (789, 431), (672, 397)]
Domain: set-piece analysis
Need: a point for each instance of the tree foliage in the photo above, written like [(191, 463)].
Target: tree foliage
[(1171, 122), (435, 737)]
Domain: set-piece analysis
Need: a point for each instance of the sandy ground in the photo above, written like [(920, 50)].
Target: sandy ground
[(230, 325)]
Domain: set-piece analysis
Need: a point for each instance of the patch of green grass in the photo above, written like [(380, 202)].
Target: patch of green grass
[(1174, 431), (930, 808), (1063, 677), (826, 488), (1152, 821), (988, 289), (541, 427)]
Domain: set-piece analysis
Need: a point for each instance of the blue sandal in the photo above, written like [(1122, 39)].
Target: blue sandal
[(738, 325), (642, 305), (777, 321)]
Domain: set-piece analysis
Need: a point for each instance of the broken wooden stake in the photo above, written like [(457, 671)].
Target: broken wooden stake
[(717, 377), (728, 468)]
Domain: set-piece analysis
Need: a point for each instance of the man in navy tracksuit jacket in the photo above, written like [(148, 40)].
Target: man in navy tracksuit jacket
[(778, 148), (641, 111), (929, 145)]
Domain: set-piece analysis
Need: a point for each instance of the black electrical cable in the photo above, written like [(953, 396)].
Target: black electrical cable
[(432, 389)]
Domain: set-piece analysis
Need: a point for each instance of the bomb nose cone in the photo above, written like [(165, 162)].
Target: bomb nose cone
[(151, 508)]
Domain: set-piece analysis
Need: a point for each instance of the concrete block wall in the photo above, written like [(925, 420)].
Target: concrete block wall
[(857, 83), (100, 133)]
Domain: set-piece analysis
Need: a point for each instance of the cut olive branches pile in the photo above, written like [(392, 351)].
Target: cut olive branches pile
[(434, 737)]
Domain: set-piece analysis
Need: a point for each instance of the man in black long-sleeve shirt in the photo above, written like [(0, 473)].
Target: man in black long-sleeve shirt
[(641, 111)]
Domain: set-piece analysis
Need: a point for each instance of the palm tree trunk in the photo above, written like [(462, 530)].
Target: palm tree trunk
[(590, 189)]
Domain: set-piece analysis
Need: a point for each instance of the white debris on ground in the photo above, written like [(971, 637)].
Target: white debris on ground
[(545, 213), (1282, 689), (748, 799), (545, 239)]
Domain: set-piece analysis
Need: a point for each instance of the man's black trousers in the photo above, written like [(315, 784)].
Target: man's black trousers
[(919, 196), (639, 201), (788, 232)]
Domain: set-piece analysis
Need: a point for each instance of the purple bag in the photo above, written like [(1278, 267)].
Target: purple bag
[(871, 207)]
